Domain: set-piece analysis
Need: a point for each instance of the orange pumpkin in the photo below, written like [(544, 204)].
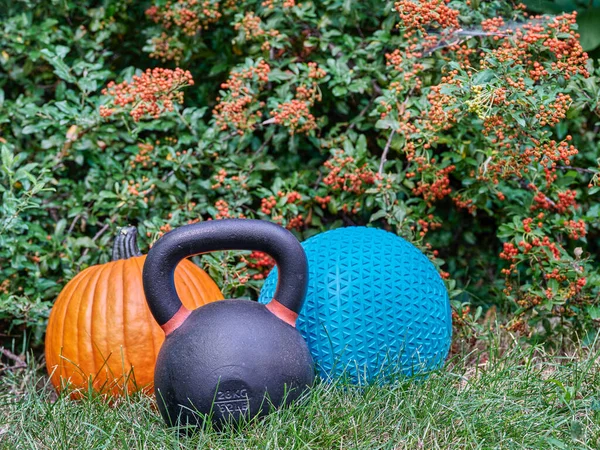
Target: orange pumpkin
[(100, 331)]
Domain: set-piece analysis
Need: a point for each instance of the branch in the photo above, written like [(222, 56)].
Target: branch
[(10, 355), (72, 226), (70, 139), (319, 178), (362, 113), (99, 233), (577, 169), (264, 144), (524, 184), (185, 122), (385, 152)]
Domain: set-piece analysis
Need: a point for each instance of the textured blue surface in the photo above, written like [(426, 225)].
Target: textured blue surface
[(374, 302)]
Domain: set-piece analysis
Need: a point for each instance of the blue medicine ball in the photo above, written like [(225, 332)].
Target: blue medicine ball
[(375, 305)]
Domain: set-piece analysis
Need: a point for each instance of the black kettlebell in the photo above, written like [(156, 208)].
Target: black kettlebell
[(231, 358)]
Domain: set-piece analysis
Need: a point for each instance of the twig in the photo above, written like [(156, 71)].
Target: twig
[(10, 355), (319, 178), (377, 88), (268, 121), (362, 113), (6, 369), (185, 122), (332, 48), (69, 141), (264, 144), (103, 229), (385, 152), (72, 226), (577, 169), (525, 184), (348, 221), (98, 234)]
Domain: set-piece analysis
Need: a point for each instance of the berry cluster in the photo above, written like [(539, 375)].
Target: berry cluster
[(426, 225), (238, 107), (260, 262), (166, 48), (295, 223), (267, 205), (223, 210), (179, 21), (227, 183), (292, 197), (4, 286), (295, 114), (270, 4), (435, 184), (493, 24), (144, 156), (190, 16), (287, 213), (576, 228), (250, 25), (464, 203), (253, 29), (423, 15), (150, 94), (323, 201), (345, 176)]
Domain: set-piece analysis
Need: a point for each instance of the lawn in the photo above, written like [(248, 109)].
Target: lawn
[(467, 128), (524, 398)]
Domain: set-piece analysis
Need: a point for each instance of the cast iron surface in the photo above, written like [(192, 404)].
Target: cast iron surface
[(231, 358), (225, 357)]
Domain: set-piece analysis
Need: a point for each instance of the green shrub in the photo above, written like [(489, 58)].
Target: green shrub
[(467, 127)]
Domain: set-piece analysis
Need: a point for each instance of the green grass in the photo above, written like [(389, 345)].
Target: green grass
[(524, 399)]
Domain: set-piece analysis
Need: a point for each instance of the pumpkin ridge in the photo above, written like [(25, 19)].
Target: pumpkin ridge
[(91, 328), (132, 324), (140, 264), (72, 340), (108, 332), (197, 283), (96, 349), (123, 359), (58, 337), (89, 295)]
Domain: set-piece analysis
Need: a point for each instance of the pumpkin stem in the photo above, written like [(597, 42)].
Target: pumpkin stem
[(125, 245)]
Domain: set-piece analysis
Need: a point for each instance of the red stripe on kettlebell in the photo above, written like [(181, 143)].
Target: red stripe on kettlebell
[(175, 321), (283, 313)]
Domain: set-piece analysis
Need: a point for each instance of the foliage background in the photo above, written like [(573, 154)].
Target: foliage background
[(70, 177)]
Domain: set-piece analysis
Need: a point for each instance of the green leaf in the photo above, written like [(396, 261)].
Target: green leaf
[(594, 312), (589, 28), (61, 70), (361, 144), (266, 166), (483, 76), (339, 91), (378, 215), (388, 123), (34, 128), (61, 51), (85, 242)]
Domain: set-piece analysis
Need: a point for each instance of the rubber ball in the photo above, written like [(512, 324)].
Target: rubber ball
[(375, 307)]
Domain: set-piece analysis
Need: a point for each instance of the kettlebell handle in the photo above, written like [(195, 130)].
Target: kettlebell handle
[(216, 235)]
